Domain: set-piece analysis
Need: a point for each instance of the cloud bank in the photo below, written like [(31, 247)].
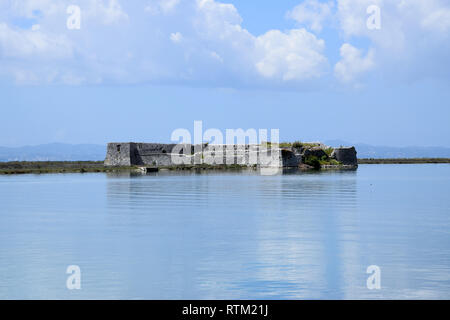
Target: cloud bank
[(203, 42)]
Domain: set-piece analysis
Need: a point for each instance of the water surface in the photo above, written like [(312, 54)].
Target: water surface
[(228, 235)]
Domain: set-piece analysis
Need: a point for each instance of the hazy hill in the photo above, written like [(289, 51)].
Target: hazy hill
[(54, 152)]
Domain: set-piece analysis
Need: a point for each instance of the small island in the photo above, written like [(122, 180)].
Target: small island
[(305, 156), (148, 157)]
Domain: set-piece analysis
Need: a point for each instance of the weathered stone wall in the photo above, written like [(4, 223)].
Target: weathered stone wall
[(290, 158), (155, 154), (119, 154), (345, 155), (164, 155)]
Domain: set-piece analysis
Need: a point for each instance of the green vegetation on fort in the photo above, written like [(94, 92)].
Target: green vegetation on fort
[(318, 163), (313, 161), (295, 144)]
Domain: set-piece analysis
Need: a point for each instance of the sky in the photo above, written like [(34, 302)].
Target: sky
[(95, 71)]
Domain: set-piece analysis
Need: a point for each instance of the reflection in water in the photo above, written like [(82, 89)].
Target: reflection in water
[(206, 235), (268, 236)]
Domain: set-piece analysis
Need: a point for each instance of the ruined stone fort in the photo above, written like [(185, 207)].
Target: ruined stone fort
[(172, 155)]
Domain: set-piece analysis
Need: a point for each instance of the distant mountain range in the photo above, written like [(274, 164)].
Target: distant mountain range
[(93, 152), (54, 152)]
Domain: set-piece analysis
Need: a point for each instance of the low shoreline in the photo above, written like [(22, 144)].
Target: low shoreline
[(404, 161), (38, 167), (41, 167)]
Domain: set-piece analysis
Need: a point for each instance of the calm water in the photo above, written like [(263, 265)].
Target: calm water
[(228, 235)]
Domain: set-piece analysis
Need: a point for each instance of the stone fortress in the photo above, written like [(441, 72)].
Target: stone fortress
[(284, 155)]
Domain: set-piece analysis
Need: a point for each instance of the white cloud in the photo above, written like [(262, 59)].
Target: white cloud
[(111, 11), (402, 21), (212, 48), (29, 8), (161, 6), (413, 41), (216, 56), (353, 64), (33, 44), (169, 5), (437, 19), (204, 42), (276, 56), (176, 37), (104, 11), (296, 55), (312, 13)]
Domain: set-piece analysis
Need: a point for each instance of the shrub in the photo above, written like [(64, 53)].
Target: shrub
[(297, 144), (313, 161), (328, 151), (330, 162), (285, 145)]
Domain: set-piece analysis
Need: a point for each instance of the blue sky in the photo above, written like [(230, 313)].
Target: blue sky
[(312, 69)]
